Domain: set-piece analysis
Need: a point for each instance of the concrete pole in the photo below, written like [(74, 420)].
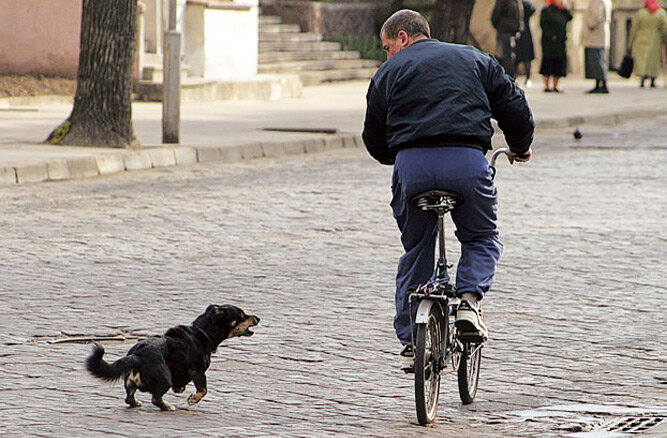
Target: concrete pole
[(171, 82)]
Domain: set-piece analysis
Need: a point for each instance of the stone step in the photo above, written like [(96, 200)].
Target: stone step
[(306, 55), (297, 46), (318, 77), (317, 65), (155, 72), (290, 37), (279, 28), (269, 19), (260, 87)]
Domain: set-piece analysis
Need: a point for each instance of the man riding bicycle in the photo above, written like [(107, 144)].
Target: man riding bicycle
[(429, 110)]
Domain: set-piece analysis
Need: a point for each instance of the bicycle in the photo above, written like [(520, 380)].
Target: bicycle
[(438, 342)]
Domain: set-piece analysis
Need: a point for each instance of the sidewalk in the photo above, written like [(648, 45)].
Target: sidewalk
[(230, 131)]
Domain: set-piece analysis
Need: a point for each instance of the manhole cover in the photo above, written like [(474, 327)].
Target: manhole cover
[(632, 424)]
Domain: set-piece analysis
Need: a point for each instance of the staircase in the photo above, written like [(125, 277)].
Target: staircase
[(284, 49)]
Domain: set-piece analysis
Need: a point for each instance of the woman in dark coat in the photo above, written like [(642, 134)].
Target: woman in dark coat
[(525, 51), (553, 21)]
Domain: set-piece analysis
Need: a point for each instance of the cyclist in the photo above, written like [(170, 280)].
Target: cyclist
[(429, 110)]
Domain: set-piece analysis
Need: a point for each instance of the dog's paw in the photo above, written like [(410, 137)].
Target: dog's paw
[(194, 398), (179, 389)]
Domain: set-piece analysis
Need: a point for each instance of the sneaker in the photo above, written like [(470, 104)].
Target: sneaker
[(408, 359), (469, 320)]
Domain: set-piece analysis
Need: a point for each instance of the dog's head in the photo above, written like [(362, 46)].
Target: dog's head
[(226, 321)]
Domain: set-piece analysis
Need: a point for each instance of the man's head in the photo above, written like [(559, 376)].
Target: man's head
[(401, 30)]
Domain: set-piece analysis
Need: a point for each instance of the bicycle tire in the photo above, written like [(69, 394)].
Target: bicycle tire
[(427, 366), (468, 372)]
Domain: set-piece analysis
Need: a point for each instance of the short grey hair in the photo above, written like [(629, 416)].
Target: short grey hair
[(411, 22)]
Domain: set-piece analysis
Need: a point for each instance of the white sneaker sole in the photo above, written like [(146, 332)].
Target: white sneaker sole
[(467, 322)]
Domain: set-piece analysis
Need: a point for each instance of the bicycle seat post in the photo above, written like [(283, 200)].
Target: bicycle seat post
[(441, 271), (441, 202)]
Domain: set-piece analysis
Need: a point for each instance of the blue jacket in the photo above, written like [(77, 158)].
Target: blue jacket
[(440, 94)]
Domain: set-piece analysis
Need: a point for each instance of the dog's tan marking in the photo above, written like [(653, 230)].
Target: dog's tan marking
[(134, 378), (196, 397), (163, 405), (240, 329)]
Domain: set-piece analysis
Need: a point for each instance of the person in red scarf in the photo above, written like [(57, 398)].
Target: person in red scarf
[(645, 41)]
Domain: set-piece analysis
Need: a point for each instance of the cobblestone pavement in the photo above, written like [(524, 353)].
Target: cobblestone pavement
[(309, 245)]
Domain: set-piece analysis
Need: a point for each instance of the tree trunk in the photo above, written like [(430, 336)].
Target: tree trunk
[(450, 20), (102, 111)]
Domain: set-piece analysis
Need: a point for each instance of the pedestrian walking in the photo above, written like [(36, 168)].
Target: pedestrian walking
[(525, 50), (553, 21), (507, 19), (596, 40), (429, 114), (646, 37)]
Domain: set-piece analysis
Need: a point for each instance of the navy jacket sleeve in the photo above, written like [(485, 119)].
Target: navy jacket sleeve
[(510, 108), (375, 126)]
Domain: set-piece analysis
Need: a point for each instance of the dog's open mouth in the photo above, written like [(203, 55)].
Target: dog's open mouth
[(247, 332), (253, 321)]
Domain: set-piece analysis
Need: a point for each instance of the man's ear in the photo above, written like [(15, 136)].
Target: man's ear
[(404, 37)]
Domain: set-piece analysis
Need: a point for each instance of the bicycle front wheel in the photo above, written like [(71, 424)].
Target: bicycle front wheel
[(468, 372), (428, 354)]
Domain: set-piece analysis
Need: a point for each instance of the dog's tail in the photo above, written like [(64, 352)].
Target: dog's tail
[(111, 372)]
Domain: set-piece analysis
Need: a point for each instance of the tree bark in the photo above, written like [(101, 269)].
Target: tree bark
[(450, 20), (102, 111)]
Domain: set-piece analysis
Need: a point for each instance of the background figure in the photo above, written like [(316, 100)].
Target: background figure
[(507, 19), (646, 41), (553, 21), (596, 43), (525, 51)]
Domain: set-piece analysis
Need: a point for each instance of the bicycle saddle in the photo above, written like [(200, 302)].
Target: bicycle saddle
[(435, 199)]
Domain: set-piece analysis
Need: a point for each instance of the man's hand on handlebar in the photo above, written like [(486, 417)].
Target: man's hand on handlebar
[(512, 157)]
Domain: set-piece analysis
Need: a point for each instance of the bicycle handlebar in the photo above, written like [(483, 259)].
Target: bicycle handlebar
[(510, 156), (496, 154)]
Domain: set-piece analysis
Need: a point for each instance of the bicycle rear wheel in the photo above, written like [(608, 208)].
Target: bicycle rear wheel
[(428, 353), (468, 372)]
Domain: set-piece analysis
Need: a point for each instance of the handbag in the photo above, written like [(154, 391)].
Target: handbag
[(627, 65)]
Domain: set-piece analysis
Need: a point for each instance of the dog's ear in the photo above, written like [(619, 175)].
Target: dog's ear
[(219, 311), (214, 309)]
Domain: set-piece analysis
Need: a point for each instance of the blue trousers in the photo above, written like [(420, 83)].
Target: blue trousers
[(460, 169)]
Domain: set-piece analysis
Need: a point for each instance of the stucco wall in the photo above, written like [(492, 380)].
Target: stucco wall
[(222, 42), (40, 36)]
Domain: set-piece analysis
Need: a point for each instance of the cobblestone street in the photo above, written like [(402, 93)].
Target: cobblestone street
[(309, 245)]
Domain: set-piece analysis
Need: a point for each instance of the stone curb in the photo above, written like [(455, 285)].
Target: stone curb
[(598, 119), (62, 169)]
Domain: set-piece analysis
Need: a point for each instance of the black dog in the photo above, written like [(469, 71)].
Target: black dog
[(181, 355)]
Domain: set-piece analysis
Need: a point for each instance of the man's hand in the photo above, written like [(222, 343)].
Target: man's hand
[(520, 158)]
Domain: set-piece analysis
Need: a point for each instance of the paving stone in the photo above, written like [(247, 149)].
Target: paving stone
[(31, 173), (85, 167), (314, 145), (185, 156), (162, 157), (251, 151), (110, 163), (137, 160), (308, 243), (7, 175), (273, 149), (57, 170)]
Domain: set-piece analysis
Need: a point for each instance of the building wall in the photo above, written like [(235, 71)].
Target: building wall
[(40, 37), (221, 42)]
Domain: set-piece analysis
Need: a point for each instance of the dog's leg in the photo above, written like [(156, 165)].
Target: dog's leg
[(130, 389), (199, 379), (157, 401)]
